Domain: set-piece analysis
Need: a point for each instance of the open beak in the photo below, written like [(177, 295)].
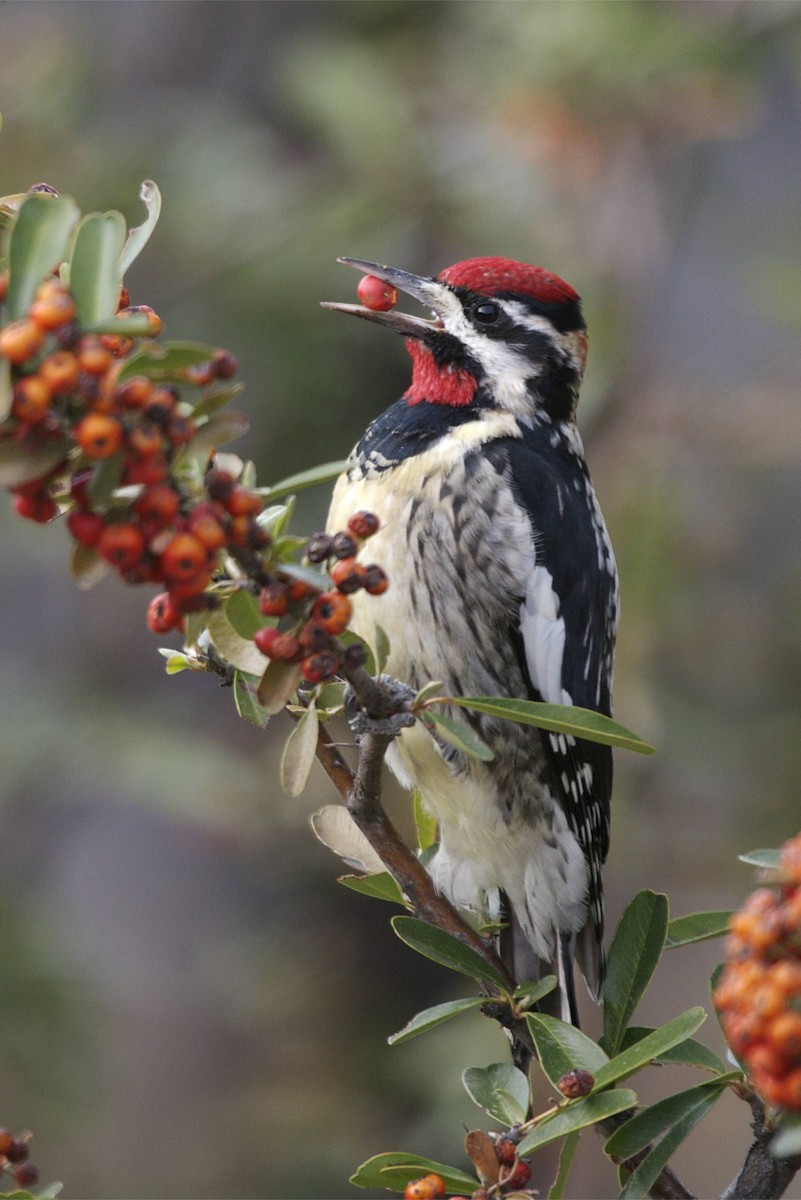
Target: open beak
[(428, 291)]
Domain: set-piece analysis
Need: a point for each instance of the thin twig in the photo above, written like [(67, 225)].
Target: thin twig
[(762, 1175)]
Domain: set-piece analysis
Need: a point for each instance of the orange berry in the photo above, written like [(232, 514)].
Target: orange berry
[(376, 582), (135, 392), (790, 1091), (121, 545), (785, 1034), (146, 439), (419, 1189), (155, 322), (348, 575), (60, 372), (313, 637), (243, 503), (206, 527), (320, 668), (299, 590), (99, 435), (31, 402), (52, 308), (274, 599), (363, 524), (184, 558), (333, 611), (21, 340), (93, 357)]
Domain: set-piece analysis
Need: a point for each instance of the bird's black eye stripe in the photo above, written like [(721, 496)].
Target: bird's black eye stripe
[(486, 313)]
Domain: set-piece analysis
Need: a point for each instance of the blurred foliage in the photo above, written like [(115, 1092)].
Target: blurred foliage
[(646, 152)]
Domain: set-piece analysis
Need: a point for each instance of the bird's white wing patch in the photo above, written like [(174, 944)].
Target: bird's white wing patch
[(543, 631)]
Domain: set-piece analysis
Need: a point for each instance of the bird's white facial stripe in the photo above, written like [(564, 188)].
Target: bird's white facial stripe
[(508, 369)]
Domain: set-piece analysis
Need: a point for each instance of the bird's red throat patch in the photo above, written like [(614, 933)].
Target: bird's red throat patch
[(437, 385)]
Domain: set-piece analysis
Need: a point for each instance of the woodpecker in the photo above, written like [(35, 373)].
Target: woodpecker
[(503, 583)]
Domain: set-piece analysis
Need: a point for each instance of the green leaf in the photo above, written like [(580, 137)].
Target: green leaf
[(767, 859), (247, 705), (277, 686), (106, 478), (396, 1169), (641, 1180), (299, 753), (787, 1141), (381, 647), (240, 652), (455, 733), (578, 1115), (242, 611), (531, 991), (500, 1089), (335, 828), (177, 662), (166, 360), (445, 949), (38, 243), (647, 1125), (126, 325), (568, 1153), (18, 465), (562, 1047), (211, 402), (429, 1018), (310, 575), (697, 927), (95, 267), (379, 887), (139, 236), (325, 473), (689, 1053), (428, 692), (220, 428), (633, 957), (424, 823), (650, 1047), (558, 718), (87, 567)]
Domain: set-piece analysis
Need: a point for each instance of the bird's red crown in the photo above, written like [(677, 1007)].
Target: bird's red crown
[(491, 275)]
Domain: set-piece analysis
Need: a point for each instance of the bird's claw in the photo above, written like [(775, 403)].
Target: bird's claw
[(398, 698)]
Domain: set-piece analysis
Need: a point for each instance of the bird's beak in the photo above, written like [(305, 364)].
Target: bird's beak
[(428, 291)]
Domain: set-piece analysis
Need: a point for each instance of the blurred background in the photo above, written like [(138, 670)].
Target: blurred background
[(191, 1006)]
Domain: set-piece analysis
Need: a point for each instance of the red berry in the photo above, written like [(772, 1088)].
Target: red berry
[(506, 1150), (320, 668), (348, 575), (280, 646), (224, 365), (376, 294), (158, 505), (376, 582), (219, 484), (163, 614), (26, 1175), (79, 487), (18, 1151), (121, 545), (243, 503), (364, 524), (519, 1176), (274, 599), (332, 610), (207, 528), (135, 392), (313, 637), (36, 506), (85, 527), (149, 470)]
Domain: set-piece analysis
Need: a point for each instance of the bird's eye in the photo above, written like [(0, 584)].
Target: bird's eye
[(487, 313)]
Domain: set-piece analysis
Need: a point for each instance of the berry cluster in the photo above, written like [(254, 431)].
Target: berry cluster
[(310, 619), (71, 394), (14, 1159), (758, 996)]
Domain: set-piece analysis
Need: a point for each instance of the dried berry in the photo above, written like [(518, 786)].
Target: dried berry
[(576, 1083)]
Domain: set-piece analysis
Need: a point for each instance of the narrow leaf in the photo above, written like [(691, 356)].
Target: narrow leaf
[(689, 1053), (336, 829), (106, 478), (650, 1047), (647, 1125), (38, 243), (639, 1183), (427, 692), (396, 1169), (697, 927), (429, 1018), (212, 401), (381, 647), (247, 705), (456, 734), (325, 473), (6, 390), (380, 887), (95, 267), (424, 823), (768, 859), (500, 1089), (87, 567), (220, 428), (562, 1047), (316, 579), (161, 361), (592, 1108), (299, 753), (531, 991), (139, 236), (277, 686), (559, 718), (568, 1153), (633, 957), (480, 1149), (445, 949)]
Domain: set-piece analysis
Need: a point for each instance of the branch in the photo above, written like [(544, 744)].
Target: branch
[(667, 1185), (762, 1175)]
